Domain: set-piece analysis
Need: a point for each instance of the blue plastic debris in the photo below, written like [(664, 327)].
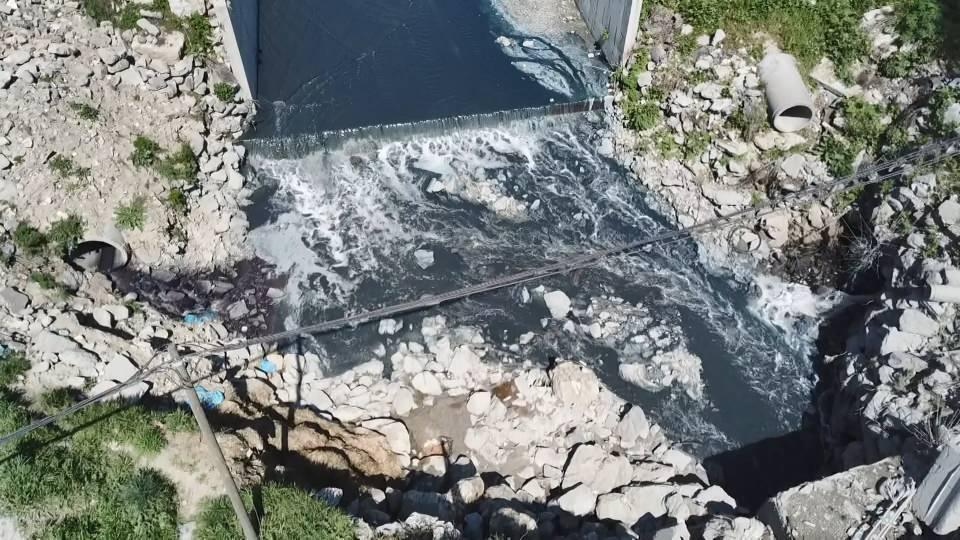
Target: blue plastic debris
[(199, 317), (209, 398), (267, 366)]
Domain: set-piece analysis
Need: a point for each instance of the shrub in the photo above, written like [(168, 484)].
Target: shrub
[(845, 198), (181, 165), (145, 152), (66, 232), (28, 239), (131, 216), (838, 155), (641, 115), (225, 92), (900, 64), (61, 165), (942, 99), (198, 34), (44, 280), (12, 364), (920, 22), (289, 512), (748, 120), (696, 144), (863, 122), (177, 200), (84, 111)]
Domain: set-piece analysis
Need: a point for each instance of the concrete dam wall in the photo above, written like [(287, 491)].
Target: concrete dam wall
[(240, 21), (613, 23)]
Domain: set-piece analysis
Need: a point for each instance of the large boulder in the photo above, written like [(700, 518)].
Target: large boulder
[(13, 300), (558, 303), (592, 466), (634, 502), (574, 385)]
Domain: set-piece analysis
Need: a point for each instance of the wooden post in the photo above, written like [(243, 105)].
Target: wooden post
[(213, 448)]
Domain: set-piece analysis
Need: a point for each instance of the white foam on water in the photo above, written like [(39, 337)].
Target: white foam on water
[(793, 308)]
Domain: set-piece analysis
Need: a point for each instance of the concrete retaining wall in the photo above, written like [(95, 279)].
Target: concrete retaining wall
[(614, 23), (240, 20)]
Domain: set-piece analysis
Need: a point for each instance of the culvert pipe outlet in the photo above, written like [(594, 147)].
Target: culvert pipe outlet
[(788, 100), (104, 251)]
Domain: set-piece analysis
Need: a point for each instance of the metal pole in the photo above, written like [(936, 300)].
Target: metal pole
[(213, 448)]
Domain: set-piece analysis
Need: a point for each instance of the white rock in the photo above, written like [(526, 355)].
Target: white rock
[(148, 27), (916, 322), (468, 490), (558, 303), (103, 317), (424, 258), (949, 212), (317, 398), (427, 383), (574, 386), (777, 228), (464, 362), (389, 327), (718, 37), (644, 79), (120, 369), (633, 427), (18, 57), (592, 466), (403, 402), (14, 301), (48, 342), (478, 403), (579, 501), (185, 8), (635, 501), (398, 437)]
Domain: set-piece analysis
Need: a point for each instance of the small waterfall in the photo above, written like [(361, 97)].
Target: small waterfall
[(303, 145)]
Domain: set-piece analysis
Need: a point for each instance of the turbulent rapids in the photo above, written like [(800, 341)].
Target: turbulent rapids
[(374, 223)]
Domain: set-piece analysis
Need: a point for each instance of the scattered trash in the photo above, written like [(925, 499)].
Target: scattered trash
[(267, 366), (209, 398), (199, 317)]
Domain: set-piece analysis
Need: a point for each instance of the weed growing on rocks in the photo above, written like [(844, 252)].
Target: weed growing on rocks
[(44, 280), (62, 166), (29, 239), (12, 365), (145, 152), (66, 232), (181, 165), (942, 99), (84, 111), (289, 512), (199, 36), (131, 216), (837, 154), (225, 92), (177, 201)]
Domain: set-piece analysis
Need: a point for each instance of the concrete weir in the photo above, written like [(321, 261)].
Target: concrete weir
[(614, 24), (240, 21)]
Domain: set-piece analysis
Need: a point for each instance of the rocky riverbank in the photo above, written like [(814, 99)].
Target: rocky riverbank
[(694, 107)]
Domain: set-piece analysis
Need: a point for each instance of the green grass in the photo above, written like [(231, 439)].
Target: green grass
[(84, 111), (177, 201), (145, 152), (931, 243), (225, 92), (44, 280), (12, 364), (131, 216), (180, 165), (696, 144), (942, 99), (62, 166), (667, 145), (748, 120), (29, 239), (837, 154), (199, 35), (809, 30), (65, 233), (288, 513), (863, 122), (846, 198)]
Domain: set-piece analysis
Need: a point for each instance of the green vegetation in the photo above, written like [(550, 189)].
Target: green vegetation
[(199, 35), (942, 99), (289, 512), (145, 152), (809, 30), (748, 120), (667, 145), (28, 239), (61, 165), (837, 154), (845, 198), (12, 364), (68, 480), (44, 280), (84, 111), (177, 201), (862, 130), (180, 165), (756, 198), (696, 144), (225, 91), (641, 112), (66, 232), (931, 243), (131, 216)]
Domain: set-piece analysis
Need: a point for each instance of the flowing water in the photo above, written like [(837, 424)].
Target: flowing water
[(344, 222)]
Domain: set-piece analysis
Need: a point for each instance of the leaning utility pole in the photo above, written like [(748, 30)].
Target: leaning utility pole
[(213, 448)]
